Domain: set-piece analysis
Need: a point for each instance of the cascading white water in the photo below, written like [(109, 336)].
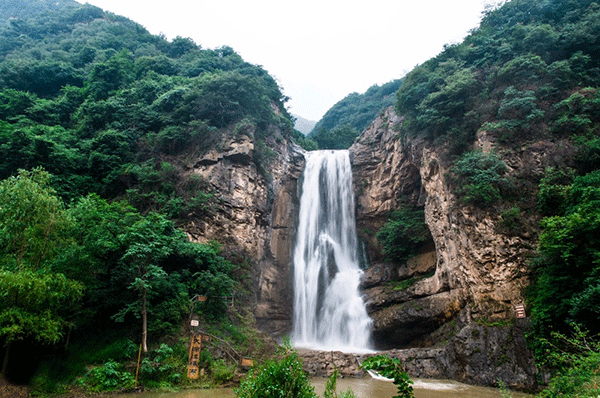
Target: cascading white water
[(329, 312)]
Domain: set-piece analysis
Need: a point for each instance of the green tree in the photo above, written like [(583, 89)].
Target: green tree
[(392, 369), (277, 378), (480, 178), (147, 244), (566, 272), (340, 137), (35, 305), (403, 234), (35, 301), (34, 225)]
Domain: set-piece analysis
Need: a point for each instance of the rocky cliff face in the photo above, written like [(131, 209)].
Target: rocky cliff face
[(256, 214), (448, 312), (459, 295)]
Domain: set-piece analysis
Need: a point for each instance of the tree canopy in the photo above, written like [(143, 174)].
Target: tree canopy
[(345, 120)]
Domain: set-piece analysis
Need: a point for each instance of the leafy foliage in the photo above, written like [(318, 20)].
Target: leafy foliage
[(108, 377), (36, 300), (277, 378), (343, 122), (403, 234), (37, 306), (339, 137), (480, 178), (34, 225), (567, 269), (507, 77), (331, 388), (392, 369), (101, 111), (127, 264), (578, 360), (91, 96)]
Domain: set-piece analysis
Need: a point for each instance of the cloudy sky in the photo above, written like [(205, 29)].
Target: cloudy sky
[(318, 50)]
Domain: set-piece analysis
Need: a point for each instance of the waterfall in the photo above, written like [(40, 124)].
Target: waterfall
[(329, 312)]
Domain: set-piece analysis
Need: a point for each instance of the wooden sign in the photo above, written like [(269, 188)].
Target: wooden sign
[(247, 363), (195, 348)]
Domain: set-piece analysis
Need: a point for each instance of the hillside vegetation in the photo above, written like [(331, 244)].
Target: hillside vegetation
[(338, 128), (96, 115), (529, 74), (96, 118)]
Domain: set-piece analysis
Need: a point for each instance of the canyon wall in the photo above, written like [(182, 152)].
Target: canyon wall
[(454, 315), (255, 185), (447, 312)]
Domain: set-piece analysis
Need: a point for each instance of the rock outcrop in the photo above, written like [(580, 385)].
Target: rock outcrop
[(448, 312), (256, 216), (459, 296)]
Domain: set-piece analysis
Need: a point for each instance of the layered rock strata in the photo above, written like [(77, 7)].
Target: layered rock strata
[(256, 215), (460, 295)]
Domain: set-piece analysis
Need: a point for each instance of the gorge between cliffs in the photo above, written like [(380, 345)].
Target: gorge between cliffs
[(456, 319)]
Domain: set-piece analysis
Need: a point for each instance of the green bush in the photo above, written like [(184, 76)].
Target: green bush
[(403, 234), (221, 372), (277, 378), (480, 178), (108, 377), (159, 364), (578, 361), (118, 350), (511, 220), (331, 388), (392, 369), (566, 270)]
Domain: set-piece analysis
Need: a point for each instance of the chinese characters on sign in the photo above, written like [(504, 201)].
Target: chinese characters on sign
[(195, 347)]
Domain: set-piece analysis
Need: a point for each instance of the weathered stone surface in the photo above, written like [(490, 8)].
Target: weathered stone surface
[(418, 265), (256, 217), (478, 354), (471, 256), (479, 270), (483, 354), (399, 324), (324, 363)]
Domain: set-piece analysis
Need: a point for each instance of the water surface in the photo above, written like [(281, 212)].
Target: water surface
[(363, 388)]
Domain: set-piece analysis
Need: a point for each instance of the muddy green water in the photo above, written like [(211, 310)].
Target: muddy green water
[(364, 388)]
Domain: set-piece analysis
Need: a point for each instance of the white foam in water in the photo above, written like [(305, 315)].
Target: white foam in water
[(437, 385), (329, 312)]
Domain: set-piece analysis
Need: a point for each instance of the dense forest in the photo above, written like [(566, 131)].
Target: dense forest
[(341, 124), (529, 73), (95, 112)]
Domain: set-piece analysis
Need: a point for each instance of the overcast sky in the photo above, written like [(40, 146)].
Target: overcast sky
[(318, 50)]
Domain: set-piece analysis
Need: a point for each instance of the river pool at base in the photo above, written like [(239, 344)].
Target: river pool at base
[(363, 388)]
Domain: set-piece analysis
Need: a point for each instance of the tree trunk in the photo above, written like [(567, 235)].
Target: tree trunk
[(144, 321), (5, 362)]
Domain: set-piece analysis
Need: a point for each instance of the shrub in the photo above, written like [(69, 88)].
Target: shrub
[(391, 368), (480, 178), (278, 378), (403, 234), (107, 377), (578, 359), (159, 364)]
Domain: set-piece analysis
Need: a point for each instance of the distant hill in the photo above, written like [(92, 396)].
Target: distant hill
[(93, 95), (303, 125), (27, 9), (347, 118)]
